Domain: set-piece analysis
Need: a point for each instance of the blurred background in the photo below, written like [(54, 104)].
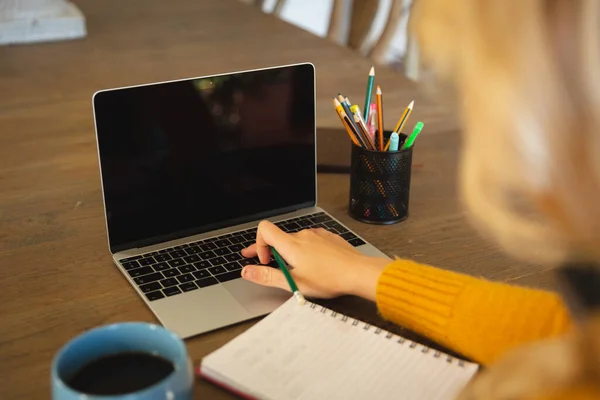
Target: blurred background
[(375, 28)]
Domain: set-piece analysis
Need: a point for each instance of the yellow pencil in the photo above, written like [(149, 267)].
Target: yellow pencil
[(345, 121), (404, 117)]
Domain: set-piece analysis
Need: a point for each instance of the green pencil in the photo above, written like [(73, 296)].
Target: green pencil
[(411, 139), (369, 94), (288, 276)]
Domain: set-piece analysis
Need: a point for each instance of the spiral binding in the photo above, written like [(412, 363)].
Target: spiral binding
[(388, 335)]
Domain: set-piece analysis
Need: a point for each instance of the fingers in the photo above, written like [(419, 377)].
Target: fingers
[(265, 276), (267, 235), (249, 251)]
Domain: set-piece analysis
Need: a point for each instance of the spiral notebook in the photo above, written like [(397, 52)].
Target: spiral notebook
[(309, 352)]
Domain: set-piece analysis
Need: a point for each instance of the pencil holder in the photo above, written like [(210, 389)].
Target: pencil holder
[(380, 184)]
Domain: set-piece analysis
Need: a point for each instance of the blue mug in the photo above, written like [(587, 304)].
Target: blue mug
[(138, 337)]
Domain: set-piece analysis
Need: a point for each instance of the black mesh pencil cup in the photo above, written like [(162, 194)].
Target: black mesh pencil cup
[(380, 184)]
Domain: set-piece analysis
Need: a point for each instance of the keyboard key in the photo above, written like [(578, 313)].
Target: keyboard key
[(246, 261), (176, 263), (186, 287), (155, 295), (146, 261), (223, 243), (206, 255), (193, 250), (201, 274), (217, 261), (233, 257), (164, 251), (202, 264), (349, 236), (291, 226), (191, 259), (208, 246), (186, 268), (248, 244), (236, 248), (172, 291), (171, 272), (130, 264), (318, 218), (316, 226), (336, 226), (161, 266), (140, 280), (177, 247), (177, 253), (150, 287), (228, 276), (237, 239), (130, 259), (185, 246), (232, 266), (140, 271), (356, 242), (217, 270), (273, 264), (162, 257), (169, 282), (304, 223), (250, 236), (206, 282), (185, 278), (222, 251), (151, 254)]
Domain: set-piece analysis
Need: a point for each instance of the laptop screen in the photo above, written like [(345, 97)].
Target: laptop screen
[(186, 157)]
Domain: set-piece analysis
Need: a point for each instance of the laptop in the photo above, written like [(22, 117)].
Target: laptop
[(188, 170)]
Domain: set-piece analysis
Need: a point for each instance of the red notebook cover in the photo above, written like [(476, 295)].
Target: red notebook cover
[(223, 385)]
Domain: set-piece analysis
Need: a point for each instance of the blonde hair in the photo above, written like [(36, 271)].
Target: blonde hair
[(527, 74)]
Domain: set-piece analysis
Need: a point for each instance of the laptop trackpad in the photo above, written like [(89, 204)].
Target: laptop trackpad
[(256, 299)]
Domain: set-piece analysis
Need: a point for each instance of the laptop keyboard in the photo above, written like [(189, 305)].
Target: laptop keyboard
[(204, 263)]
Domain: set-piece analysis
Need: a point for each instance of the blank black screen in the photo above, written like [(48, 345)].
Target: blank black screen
[(185, 157)]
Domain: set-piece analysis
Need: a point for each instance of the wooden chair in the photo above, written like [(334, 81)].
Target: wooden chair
[(355, 31)]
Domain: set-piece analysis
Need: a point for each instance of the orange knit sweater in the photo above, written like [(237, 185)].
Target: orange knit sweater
[(477, 318)]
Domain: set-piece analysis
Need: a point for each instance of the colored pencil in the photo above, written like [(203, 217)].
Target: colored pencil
[(404, 117), (293, 287), (346, 122), (380, 116), (369, 93)]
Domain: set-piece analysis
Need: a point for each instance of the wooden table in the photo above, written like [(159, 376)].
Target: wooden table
[(56, 273)]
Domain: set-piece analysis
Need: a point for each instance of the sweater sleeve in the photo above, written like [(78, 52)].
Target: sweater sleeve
[(474, 317)]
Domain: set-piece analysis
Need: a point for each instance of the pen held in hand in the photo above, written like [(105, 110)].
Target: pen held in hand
[(294, 288)]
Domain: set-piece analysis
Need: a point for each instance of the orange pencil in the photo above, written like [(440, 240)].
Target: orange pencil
[(380, 117), (345, 121)]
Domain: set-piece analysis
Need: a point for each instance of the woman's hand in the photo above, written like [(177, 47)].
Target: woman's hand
[(323, 264)]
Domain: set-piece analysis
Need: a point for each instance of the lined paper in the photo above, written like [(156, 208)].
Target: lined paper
[(307, 352)]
